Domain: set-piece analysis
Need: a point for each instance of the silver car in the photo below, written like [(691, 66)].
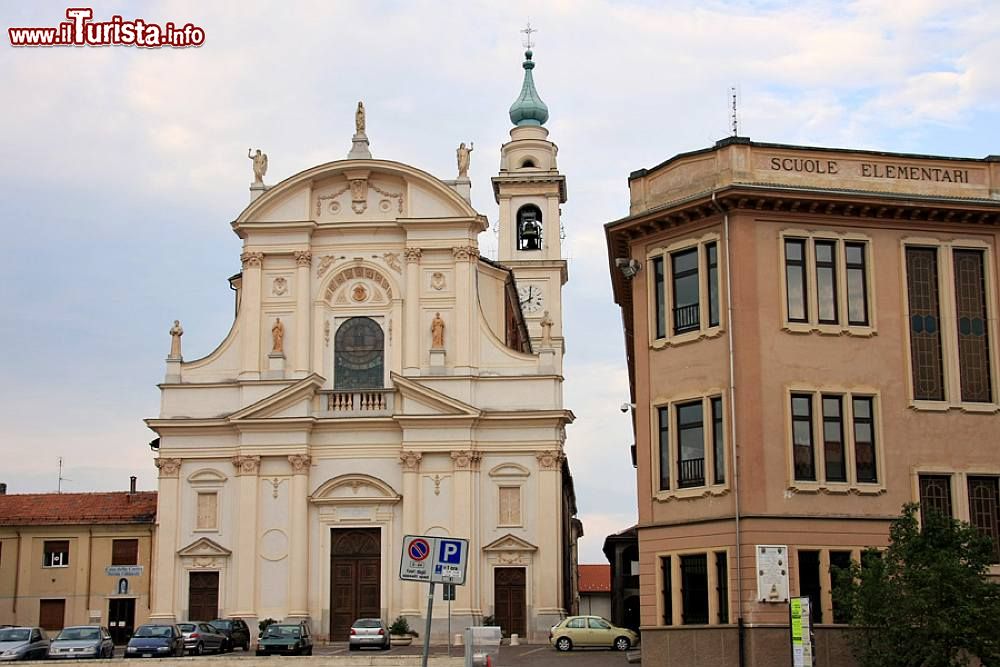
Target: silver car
[(369, 632), (82, 641), (202, 637), (23, 643)]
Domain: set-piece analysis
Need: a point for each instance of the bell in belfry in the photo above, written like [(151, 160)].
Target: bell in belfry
[(530, 230)]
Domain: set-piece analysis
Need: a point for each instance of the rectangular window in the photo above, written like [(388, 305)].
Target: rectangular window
[(973, 328), (124, 552), (694, 589), (663, 414), (826, 281), (984, 509), (802, 438), (718, 442), (660, 294), (667, 592), (809, 583), (208, 510), (51, 614), (925, 323), (840, 572), (857, 284), (864, 439), (687, 312), (722, 585), (935, 495), (712, 260), (56, 553), (510, 506), (690, 445), (833, 439), (795, 279)]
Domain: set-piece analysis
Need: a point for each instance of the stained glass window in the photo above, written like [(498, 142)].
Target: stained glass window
[(359, 355), (973, 337), (925, 323)]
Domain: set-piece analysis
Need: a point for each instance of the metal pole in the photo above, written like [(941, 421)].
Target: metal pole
[(427, 624), (449, 619)]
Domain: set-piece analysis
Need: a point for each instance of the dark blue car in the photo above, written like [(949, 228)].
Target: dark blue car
[(155, 641)]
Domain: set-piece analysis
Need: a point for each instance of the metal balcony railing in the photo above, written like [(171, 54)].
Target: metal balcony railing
[(686, 318), (360, 403), (691, 472)]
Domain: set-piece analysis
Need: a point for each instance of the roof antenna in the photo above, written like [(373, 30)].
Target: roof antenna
[(61, 478), (733, 119)]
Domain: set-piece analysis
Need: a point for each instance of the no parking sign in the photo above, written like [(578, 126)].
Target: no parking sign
[(434, 559)]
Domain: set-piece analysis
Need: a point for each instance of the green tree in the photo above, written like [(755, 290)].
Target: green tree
[(926, 601)]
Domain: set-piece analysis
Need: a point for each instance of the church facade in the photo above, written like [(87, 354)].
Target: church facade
[(380, 379)]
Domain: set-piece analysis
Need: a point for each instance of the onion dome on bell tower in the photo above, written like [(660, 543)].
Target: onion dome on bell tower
[(528, 108)]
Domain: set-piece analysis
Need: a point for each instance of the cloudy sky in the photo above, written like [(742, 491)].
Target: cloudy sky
[(122, 168)]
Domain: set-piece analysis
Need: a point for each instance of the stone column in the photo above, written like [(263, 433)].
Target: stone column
[(464, 507), (411, 524), (298, 563), (250, 314), (411, 316), (549, 514), (167, 510), (303, 260), (245, 554), (464, 302)]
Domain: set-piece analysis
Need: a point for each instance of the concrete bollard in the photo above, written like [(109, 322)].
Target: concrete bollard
[(514, 639)]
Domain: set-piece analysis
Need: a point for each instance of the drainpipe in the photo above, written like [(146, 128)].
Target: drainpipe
[(90, 569), (732, 424), (17, 573)]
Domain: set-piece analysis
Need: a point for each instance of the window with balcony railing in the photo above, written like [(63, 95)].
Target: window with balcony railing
[(691, 444), (684, 290)]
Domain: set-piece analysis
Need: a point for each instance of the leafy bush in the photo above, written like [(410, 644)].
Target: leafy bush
[(264, 622), (401, 627)]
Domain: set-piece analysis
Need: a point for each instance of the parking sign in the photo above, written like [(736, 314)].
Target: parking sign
[(434, 559)]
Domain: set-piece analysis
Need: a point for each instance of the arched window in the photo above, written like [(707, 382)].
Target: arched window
[(359, 355), (528, 164), (529, 228)]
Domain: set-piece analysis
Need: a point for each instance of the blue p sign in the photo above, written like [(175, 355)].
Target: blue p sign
[(451, 552)]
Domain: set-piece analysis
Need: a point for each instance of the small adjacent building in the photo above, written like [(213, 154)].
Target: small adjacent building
[(812, 342), (76, 558), (622, 551), (595, 590)]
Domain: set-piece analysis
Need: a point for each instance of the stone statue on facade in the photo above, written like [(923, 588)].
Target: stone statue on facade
[(278, 337), (464, 159), (175, 340), (546, 325), (437, 332), (259, 165), (359, 119)]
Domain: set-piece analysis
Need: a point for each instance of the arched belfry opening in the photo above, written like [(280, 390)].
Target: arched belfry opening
[(359, 355), (529, 228)]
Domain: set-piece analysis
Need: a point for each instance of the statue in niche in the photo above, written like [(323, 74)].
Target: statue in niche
[(175, 340), (278, 337), (437, 332), (359, 119), (259, 166), (464, 159), (546, 325)]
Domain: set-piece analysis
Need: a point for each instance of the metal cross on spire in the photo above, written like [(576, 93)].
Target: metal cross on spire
[(527, 36)]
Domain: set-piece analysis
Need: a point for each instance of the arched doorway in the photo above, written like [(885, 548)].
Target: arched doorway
[(355, 578), (359, 355)]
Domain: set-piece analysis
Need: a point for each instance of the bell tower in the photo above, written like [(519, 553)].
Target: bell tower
[(530, 190)]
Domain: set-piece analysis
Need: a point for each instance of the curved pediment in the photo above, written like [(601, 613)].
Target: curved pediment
[(207, 477), (509, 470), (357, 191), (354, 488)]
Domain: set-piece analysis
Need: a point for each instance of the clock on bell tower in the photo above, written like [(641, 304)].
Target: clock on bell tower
[(530, 191)]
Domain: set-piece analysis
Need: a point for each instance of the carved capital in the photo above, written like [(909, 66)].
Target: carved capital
[(411, 461), (252, 259), (412, 254), (465, 253), (466, 459), (246, 465), (168, 467), (303, 258), (300, 463), (550, 459)]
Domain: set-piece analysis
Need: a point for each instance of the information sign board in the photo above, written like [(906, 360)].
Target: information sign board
[(434, 559)]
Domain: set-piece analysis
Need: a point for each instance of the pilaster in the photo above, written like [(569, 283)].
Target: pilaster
[(303, 262), (410, 461), (465, 463), (464, 286), (167, 510), (247, 469), (298, 598), (549, 517), (411, 315), (250, 313)]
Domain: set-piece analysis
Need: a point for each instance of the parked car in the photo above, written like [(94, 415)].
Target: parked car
[(155, 640), (286, 639), (200, 637), (369, 632), (235, 630), (582, 631), (23, 643), (82, 641)]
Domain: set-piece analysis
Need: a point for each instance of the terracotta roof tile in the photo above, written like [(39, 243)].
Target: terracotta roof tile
[(595, 578), (60, 509)]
